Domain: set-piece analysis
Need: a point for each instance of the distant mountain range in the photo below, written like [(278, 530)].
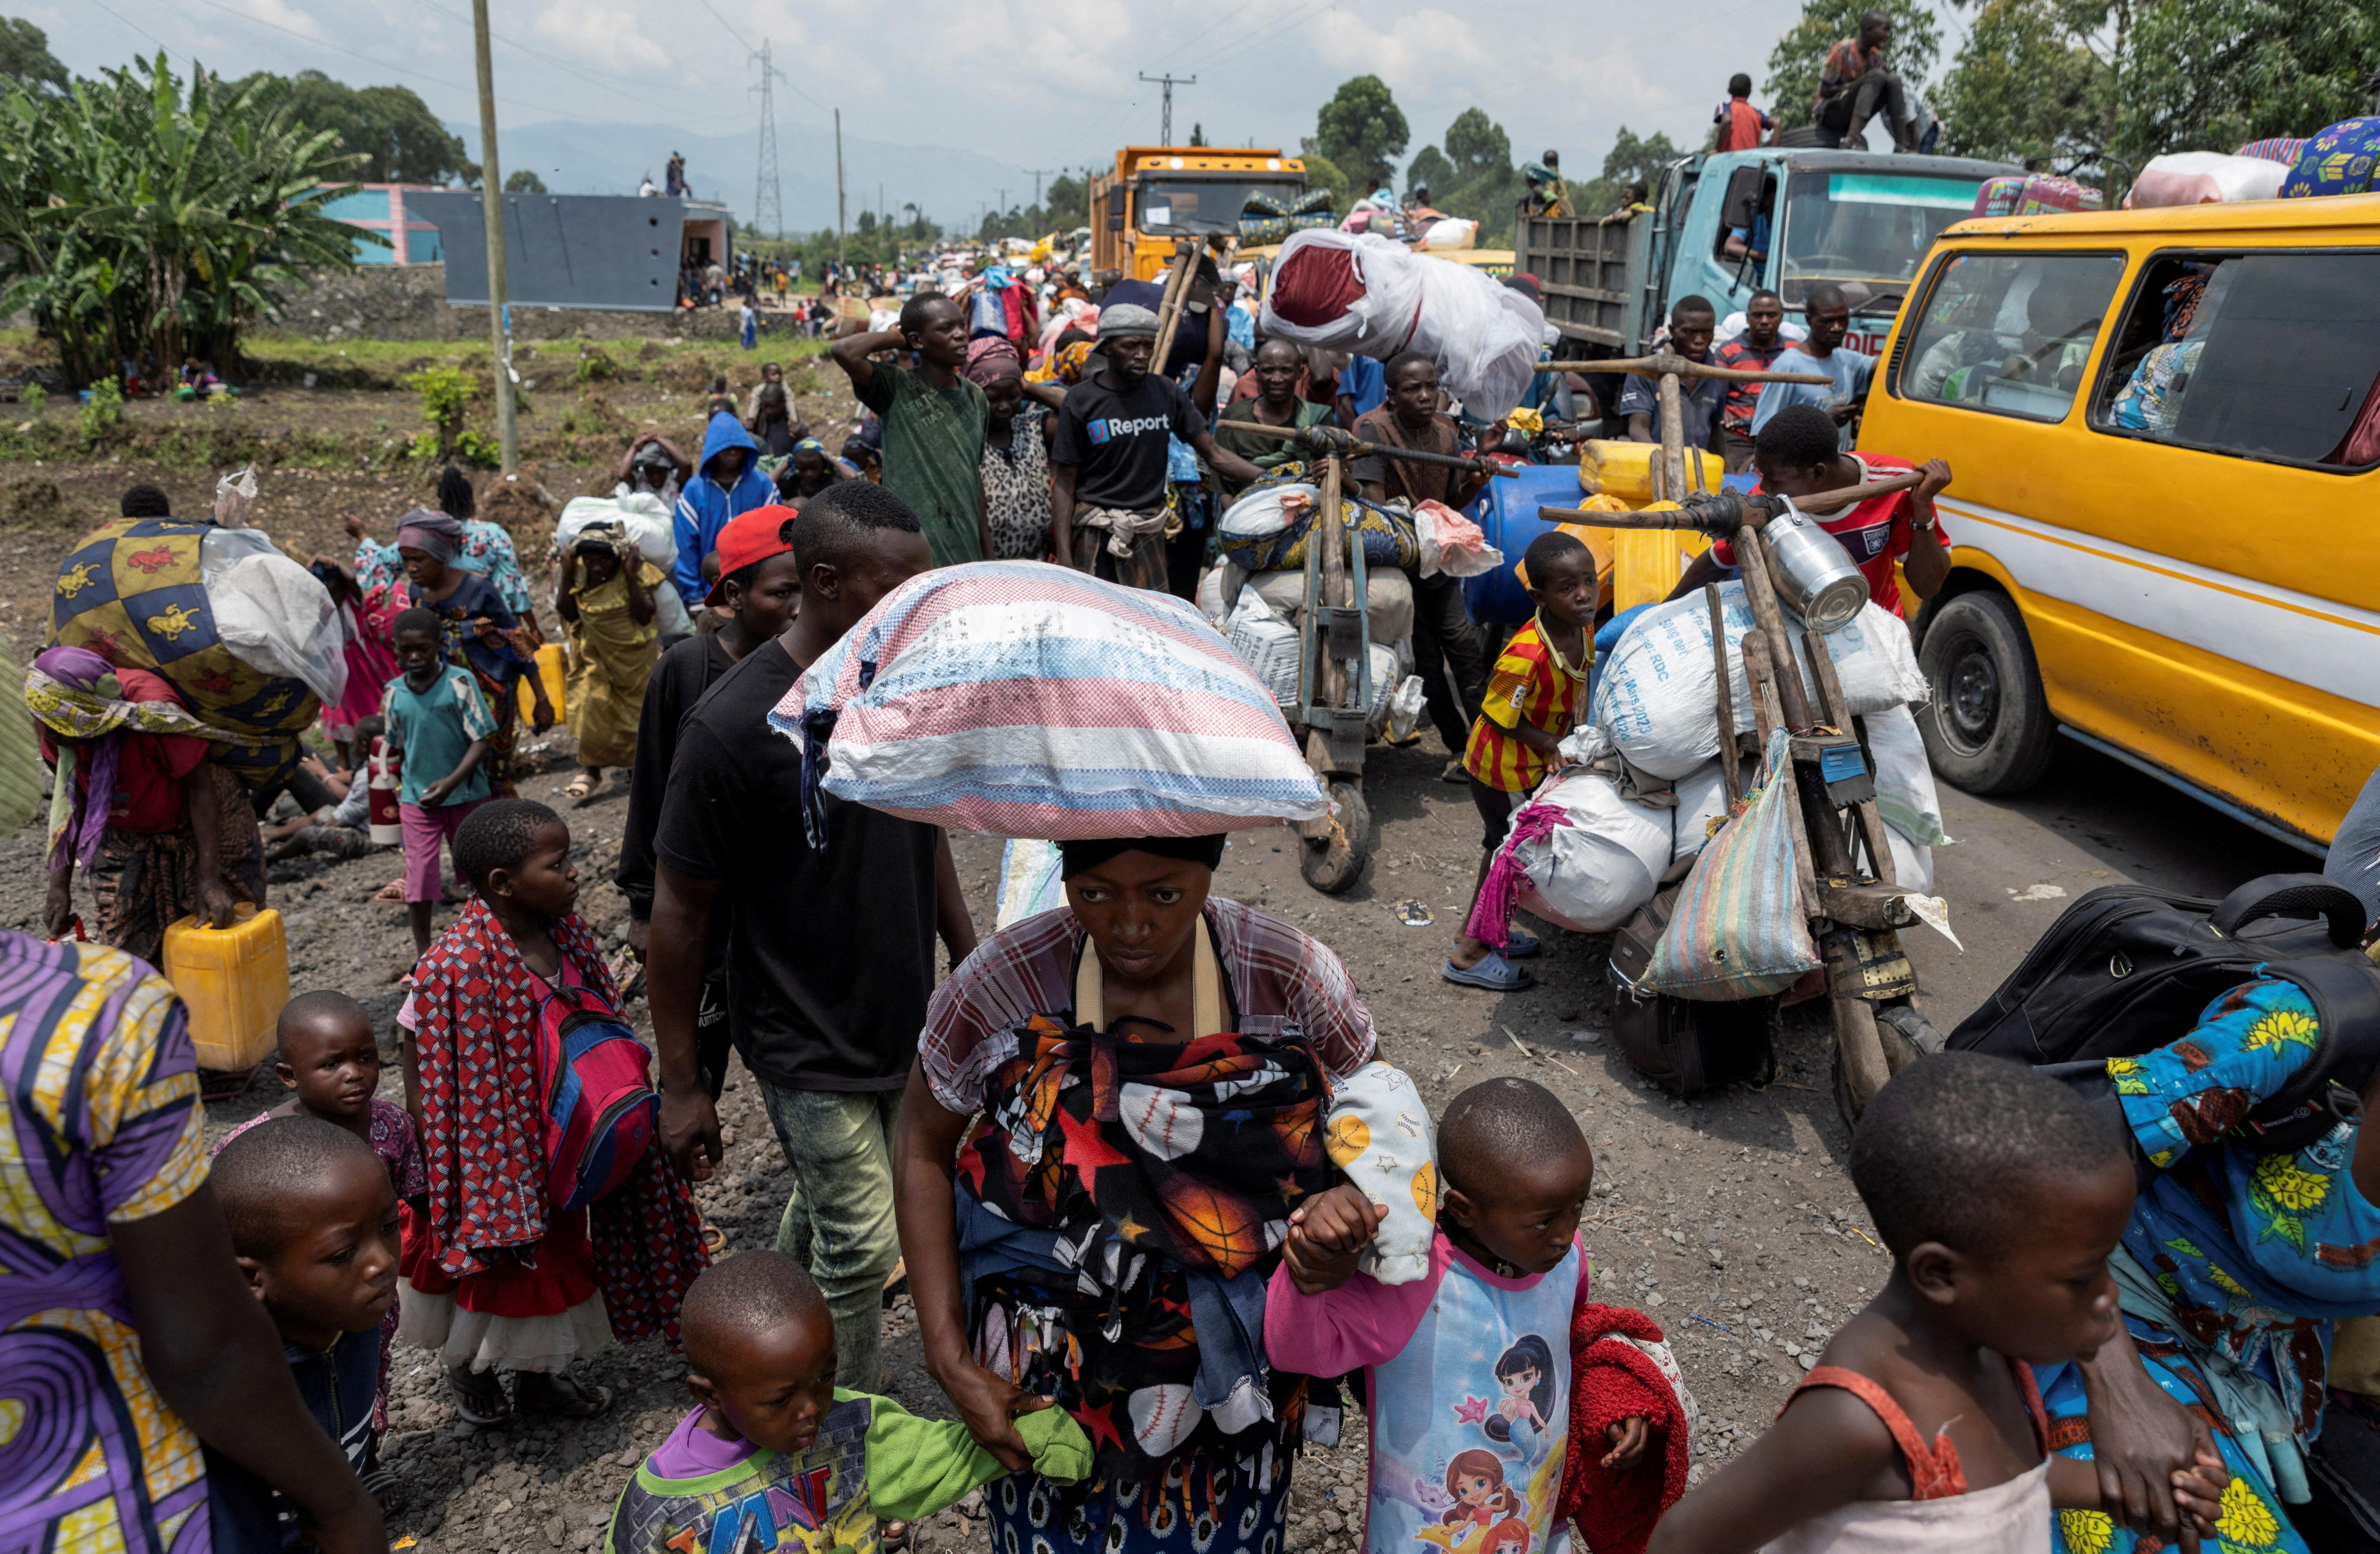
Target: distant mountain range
[(950, 186)]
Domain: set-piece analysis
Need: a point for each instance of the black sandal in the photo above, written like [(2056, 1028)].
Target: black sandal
[(479, 1398), (558, 1395)]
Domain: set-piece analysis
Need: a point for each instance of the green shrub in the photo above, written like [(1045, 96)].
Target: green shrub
[(443, 393), (103, 412), (478, 450), (33, 396)]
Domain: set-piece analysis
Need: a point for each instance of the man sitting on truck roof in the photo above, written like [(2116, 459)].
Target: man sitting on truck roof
[(1856, 84), (1830, 315), (1795, 455), (1693, 320)]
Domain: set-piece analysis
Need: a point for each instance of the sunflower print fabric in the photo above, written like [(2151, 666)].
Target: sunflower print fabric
[(2260, 1255)]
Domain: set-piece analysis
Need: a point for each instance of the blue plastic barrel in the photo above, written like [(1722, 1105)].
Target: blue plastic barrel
[(1507, 513)]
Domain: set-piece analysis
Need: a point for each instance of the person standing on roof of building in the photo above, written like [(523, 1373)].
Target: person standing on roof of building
[(1109, 462), (1857, 84), (675, 174), (1740, 126), (1823, 352), (728, 482), (1692, 323), (934, 422)]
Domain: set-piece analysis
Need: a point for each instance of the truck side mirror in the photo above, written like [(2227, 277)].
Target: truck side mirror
[(1116, 209)]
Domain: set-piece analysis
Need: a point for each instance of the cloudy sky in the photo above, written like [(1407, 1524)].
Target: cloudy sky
[(1045, 84)]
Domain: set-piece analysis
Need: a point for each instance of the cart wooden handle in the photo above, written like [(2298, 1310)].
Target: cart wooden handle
[(1681, 517), (1849, 496), (1655, 366), (1354, 447)]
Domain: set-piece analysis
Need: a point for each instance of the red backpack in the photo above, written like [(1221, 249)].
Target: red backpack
[(595, 1089)]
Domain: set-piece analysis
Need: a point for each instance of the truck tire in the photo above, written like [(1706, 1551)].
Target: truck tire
[(1987, 727)]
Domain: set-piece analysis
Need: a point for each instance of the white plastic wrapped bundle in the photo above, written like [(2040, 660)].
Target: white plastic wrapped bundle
[(1593, 874), (1657, 692), (1266, 643), (1367, 294), (647, 520), (271, 613)]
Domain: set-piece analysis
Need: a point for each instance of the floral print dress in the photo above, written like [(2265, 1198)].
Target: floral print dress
[(2253, 1257)]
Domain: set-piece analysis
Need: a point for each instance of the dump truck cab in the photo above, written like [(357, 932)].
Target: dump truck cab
[(1158, 194)]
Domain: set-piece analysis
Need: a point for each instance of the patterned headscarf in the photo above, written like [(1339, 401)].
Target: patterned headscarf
[(990, 359), (427, 530), (1071, 361)]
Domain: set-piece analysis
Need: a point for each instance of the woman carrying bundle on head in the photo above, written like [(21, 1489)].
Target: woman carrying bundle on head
[(603, 589), (1153, 1066)]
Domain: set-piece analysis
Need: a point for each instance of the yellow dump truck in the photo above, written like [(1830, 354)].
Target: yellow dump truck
[(1158, 194)]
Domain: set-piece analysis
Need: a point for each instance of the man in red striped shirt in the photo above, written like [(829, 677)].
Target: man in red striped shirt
[(1752, 351)]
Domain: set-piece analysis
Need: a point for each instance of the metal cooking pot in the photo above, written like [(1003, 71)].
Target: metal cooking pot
[(1814, 576)]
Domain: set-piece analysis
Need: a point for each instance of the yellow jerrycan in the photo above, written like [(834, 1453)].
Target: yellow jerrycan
[(234, 982), (550, 668)]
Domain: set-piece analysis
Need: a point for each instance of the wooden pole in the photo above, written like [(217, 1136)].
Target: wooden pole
[(1654, 366), (838, 185), (1170, 307), (1760, 592), (1731, 779), (1673, 440), (491, 202), (1330, 532)]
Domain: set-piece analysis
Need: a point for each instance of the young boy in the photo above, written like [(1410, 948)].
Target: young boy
[(330, 1058), (436, 715), (935, 421), (1467, 1369), (1999, 1194), (1533, 695), (313, 1224), (778, 1455)]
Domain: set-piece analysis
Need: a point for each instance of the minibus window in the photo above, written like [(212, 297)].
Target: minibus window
[(2271, 356), (2011, 333)]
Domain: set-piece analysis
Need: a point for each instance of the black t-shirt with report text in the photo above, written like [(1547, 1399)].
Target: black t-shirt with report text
[(830, 954), (1115, 441)]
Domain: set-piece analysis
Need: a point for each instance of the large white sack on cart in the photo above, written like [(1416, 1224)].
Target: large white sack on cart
[(1347, 292), (1656, 691), (1905, 794), (1593, 874), (1266, 643), (1030, 700), (1388, 598)]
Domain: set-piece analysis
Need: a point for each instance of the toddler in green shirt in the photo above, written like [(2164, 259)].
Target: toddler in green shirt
[(779, 1457)]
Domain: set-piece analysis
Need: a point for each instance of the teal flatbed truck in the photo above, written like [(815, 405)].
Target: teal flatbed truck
[(1860, 219)]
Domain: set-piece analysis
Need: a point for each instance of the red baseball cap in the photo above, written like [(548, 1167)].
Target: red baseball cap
[(748, 536)]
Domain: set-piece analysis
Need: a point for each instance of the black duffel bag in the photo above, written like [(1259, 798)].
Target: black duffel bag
[(2126, 970)]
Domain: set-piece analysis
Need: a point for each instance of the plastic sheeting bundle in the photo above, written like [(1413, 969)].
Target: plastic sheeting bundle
[(1029, 700), (1350, 292)]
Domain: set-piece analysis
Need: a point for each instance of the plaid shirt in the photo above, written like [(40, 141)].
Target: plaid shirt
[(1278, 979), (1846, 63), (1735, 412)]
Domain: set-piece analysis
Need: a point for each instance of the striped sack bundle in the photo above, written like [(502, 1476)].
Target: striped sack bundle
[(1031, 700), (1737, 932)]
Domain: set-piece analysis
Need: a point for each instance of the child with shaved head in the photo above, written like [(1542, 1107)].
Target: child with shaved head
[(1468, 1368), (778, 1455), (329, 1060), (313, 1222), (1999, 1193)]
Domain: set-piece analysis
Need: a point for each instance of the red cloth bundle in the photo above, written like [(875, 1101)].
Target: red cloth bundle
[(1621, 1369)]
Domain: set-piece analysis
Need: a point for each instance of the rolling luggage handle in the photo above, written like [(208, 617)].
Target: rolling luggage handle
[(2291, 895)]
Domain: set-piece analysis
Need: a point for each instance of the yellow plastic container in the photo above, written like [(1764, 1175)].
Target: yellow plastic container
[(549, 669), (1625, 468), (234, 982)]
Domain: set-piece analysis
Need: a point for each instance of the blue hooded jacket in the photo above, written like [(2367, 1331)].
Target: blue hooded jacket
[(704, 507)]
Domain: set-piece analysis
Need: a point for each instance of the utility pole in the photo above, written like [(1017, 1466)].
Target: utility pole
[(491, 203), (838, 182), (1039, 174), (768, 192), (1165, 134)]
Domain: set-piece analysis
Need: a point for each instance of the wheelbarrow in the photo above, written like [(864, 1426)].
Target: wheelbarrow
[(1334, 674)]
